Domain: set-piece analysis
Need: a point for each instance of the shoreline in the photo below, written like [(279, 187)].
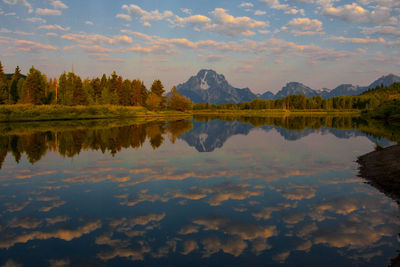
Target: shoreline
[(28, 113)]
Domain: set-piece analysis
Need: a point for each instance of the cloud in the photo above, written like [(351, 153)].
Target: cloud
[(259, 12), (145, 16), (53, 205), (30, 46), (304, 26), (287, 9), (57, 4), (246, 231), (124, 17), (246, 5), (88, 22), (48, 12), (63, 234), (189, 246), (60, 263), (356, 40), (198, 21), (234, 246), (188, 229), (97, 39), (20, 2), (297, 192), (29, 222), (54, 27), (355, 13), (186, 11), (229, 25), (382, 30), (35, 19)]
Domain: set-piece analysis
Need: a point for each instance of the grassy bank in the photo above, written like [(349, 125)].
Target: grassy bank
[(15, 113), (279, 112), (23, 113)]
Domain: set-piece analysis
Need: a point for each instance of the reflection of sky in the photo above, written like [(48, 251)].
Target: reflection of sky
[(259, 196)]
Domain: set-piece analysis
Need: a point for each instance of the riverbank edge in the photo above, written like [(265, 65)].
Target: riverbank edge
[(381, 169), (26, 113)]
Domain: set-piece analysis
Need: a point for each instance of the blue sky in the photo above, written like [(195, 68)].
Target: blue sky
[(258, 44)]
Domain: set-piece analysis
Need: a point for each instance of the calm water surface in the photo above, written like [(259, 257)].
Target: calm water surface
[(204, 192)]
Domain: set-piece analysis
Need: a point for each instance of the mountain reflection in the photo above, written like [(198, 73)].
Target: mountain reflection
[(206, 134)]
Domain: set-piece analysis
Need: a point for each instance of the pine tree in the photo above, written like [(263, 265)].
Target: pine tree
[(157, 88), (34, 87), (62, 89), (126, 93), (3, 76)]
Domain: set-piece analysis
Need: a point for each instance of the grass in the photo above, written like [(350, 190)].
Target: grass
[(268, 112), (15, 113)]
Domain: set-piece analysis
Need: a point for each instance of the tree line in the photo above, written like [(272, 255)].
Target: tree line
[(69, 89), (35, 88)]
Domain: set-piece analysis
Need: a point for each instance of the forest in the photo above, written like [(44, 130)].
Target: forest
[(70, 90)]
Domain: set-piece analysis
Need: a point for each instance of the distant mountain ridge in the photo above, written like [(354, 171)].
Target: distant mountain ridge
[(210, 87)]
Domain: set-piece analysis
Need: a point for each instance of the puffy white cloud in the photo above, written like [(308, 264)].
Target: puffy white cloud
[(356, 13), (145, 16), (287, 9), (304, 26), (48, 12), (124, 17), (88, 22), (20, 2), (57, 4), (229, 25)]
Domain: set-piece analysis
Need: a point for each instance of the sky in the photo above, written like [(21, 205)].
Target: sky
[(261, 44)]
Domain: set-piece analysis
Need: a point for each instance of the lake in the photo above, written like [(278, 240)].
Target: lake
[(217, 191)]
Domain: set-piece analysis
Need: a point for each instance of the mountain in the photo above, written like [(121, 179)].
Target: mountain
[(208, 136), (295, 88), (349, 89), (209, 86), (266, 96), (385, 81), (346, 90)]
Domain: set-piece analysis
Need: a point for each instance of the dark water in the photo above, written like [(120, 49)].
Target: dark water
[(226, 192)]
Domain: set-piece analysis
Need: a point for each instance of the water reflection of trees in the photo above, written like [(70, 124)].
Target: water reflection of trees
[(69, 143), (299, 123)]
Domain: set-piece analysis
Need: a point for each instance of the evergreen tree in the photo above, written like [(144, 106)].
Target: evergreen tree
[(62, 89), (79, 95), (34, 87), (3, 77), (139, 93), (157, 88), (96, 86), (13, 91), (125, 95)]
